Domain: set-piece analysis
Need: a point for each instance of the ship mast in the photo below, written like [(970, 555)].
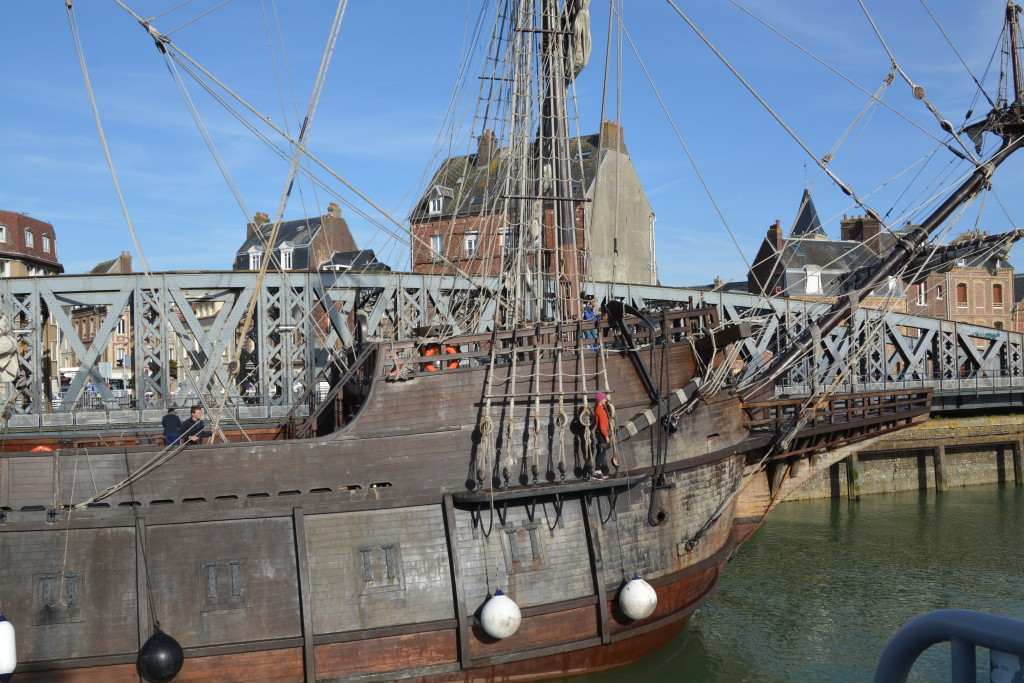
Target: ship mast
[(1007, 122)]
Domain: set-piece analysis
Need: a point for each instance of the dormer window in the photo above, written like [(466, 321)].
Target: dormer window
[(436, 201), (813, 282), (3, 233), (287, 260), (30, 239), (582, 155), (255, 258), (46, 243)]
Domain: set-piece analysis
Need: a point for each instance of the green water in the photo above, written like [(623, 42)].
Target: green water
[(818, 591)]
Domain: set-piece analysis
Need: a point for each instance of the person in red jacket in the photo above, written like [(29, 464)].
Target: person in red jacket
[(603, 435)]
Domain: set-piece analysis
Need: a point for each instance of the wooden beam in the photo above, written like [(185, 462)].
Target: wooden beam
[(458, 589), (1018, 465), (305, 603), (596, 569), (853, 477), (941, 483), (141, 581)]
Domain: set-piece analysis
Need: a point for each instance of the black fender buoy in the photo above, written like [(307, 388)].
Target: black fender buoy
[(160, 658)]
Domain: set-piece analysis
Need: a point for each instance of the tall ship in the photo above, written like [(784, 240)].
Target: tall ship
[(526, 476)]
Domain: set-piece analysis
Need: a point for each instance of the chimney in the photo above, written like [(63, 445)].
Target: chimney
[(486, 145), (126, 263), (775, 236), (334, 210), (863, 229), (612, 136), (258, 221)]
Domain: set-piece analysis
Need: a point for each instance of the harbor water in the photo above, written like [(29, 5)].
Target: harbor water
[(820, 588)]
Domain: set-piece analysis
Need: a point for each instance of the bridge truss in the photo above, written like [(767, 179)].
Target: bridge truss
[(184, 339)]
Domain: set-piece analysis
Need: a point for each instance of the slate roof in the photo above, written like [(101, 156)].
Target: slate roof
[(364, 259), (844, 255), (297, 233), (472, 187), (807, 223), (103, 267)]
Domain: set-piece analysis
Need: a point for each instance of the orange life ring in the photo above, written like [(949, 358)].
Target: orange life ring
[(398, 367), (433, 350), (42, 448)]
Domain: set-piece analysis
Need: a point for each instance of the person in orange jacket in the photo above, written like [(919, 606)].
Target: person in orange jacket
[(601, 431)]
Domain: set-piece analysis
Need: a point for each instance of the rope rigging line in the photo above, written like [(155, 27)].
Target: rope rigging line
[(197, 18), (178, 52), (821, 164), (846, 78), (918, 90), (686, 148), (967, 68)]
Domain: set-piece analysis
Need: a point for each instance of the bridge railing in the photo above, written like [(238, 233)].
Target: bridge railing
[(183, 329)]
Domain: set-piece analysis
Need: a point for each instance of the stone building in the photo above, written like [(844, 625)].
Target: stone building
[(461, 219), (28, 247)]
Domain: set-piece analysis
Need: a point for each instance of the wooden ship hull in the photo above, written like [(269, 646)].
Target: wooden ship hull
[(367, 552)]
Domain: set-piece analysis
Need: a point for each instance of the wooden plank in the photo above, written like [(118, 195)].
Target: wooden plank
[(597, 570), (458, 589), (305, 604), (141, 580)]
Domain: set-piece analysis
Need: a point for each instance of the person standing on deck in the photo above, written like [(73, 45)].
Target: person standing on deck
[(601, 431), (193, 430), (172, 427)]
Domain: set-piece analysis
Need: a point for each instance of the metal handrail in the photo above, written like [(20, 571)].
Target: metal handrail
[(963, 629)]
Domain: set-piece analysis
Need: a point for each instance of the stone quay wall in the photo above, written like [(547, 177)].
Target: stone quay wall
[(939, 454)]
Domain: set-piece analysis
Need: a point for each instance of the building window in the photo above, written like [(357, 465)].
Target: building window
[(998, 325), (3, 233), (813, 283), (122, 326), (120, 357), (30, 239), (961, 294), (436, 246), (921, 297), (255, 257), (471, 239), (505, 241), (938, 292), (46, 243), (997, 295), (286, 259), (434, 206)]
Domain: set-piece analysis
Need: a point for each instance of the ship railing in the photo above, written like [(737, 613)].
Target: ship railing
[(775, 415), (547, 339), (965, 631)]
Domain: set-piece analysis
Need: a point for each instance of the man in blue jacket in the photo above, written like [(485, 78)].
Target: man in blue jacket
[(193, 430)]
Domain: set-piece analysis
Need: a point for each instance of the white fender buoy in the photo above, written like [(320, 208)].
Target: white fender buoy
[(637, 598), (8, 650), (500, 617)]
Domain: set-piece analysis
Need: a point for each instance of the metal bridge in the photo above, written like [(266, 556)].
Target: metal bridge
[(182, 334)]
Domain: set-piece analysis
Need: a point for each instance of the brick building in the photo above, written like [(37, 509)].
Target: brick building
[(462, 217), (28, 247)]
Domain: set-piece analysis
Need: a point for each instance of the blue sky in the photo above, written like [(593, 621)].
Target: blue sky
[(387, 92)]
